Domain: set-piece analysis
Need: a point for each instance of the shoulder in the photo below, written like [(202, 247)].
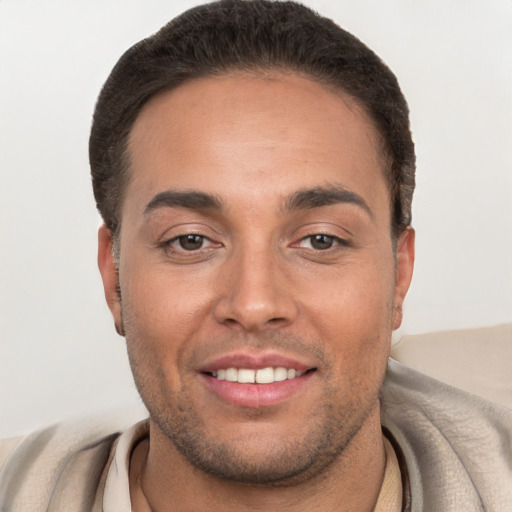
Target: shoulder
[(60, 465), (7, 446), (476, 360), (457, 446)]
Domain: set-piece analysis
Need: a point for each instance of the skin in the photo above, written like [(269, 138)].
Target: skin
[(258, 285)]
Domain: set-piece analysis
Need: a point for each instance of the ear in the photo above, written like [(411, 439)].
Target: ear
[(403, 272), (110, 276)]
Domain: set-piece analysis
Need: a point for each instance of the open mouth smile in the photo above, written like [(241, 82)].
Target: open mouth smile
[(259, 376), (253, 384)]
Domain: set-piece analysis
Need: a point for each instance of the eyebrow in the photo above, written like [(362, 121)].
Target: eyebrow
[(324, 196), (301, 200), (192, 199)]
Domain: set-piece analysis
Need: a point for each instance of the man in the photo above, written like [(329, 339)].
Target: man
[(254, 168)]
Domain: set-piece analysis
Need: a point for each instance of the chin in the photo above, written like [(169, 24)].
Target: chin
[(269, 456)]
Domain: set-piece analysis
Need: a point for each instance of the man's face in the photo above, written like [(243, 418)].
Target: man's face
[(255, 245)]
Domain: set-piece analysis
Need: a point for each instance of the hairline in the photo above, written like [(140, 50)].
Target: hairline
[(384, 153)]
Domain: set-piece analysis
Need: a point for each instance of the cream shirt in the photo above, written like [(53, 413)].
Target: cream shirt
[(116, 497)]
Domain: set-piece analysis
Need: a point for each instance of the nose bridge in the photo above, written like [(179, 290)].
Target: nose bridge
[(255, 294)]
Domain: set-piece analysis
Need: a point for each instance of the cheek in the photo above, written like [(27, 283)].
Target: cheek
[(353, 313), (357, 297), (164, 303), (165, 313)]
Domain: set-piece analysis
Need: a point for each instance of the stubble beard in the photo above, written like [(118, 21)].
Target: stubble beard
[(284, 463)]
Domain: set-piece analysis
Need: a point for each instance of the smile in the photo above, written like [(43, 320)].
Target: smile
[(256, 376), (257, 387)]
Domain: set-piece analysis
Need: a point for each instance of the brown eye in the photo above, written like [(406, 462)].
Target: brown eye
[(191, 242), (320, 242)]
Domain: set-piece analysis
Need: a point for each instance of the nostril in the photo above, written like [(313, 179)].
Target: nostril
[(251, 311)]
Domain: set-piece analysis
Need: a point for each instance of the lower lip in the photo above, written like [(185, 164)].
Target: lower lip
[(256, 395)]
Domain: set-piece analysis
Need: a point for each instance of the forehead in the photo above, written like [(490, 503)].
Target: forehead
[(259, 134)]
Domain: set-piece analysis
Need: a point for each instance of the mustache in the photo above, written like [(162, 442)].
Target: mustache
[(291, 344)]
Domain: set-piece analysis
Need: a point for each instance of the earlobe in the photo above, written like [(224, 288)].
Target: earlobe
[(403, 272), (109, 276)]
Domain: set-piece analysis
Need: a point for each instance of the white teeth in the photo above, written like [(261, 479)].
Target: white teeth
[(231, 374), (265, 376), (261, 376), (280, 374), (246, 376)]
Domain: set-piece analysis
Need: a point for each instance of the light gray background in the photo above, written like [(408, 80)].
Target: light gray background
[(59, 354)]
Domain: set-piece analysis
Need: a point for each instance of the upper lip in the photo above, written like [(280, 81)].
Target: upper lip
[(254, 362)]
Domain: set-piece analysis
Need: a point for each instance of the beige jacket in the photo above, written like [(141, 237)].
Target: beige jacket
[(455, 451)]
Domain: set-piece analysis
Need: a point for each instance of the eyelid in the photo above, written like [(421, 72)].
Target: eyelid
[(175, 231), (338, 241), (329, 229), (171, 241)]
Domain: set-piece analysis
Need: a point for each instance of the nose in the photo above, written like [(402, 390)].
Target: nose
[(255, 292)]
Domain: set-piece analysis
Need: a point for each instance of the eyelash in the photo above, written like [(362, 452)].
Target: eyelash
[(180, 239), (169, 245), (334, 241)]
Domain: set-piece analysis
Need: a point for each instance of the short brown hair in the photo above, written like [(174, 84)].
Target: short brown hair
[(249, 35)]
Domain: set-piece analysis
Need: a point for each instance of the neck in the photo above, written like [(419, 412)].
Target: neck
[(162, 480)]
